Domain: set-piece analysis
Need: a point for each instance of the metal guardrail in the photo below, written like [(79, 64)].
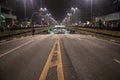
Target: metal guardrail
[(22, 31), (104, 32)]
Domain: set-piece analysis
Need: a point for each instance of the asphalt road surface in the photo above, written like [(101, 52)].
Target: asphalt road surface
[(59, 57)]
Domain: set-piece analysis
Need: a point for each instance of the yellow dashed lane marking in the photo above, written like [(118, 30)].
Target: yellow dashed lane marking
[(56, 51)]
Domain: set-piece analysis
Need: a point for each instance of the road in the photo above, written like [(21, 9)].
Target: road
[(59, 57)]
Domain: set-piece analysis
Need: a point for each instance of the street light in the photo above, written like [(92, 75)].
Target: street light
[(43, 12), (91, 9), (74, 9), (25, 6), (41, 5), (43, 9), (48, 15), (68, 18), (69, 14), (24, 9), (75, 13)]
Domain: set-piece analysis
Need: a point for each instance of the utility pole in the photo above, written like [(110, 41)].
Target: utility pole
[(91, 10), (25, 16), (41, 4), (118, 4)]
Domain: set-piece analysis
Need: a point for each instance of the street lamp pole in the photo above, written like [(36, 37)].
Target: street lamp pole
[(25, 9), (75, 14), (32, 22), (41, 4), (91, 9)]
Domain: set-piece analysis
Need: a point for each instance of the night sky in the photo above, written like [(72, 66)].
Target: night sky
[(58, 8)]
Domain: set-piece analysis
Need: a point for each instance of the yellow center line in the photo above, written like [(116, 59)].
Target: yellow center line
[(60, 66), (46, 67), (58, 63)]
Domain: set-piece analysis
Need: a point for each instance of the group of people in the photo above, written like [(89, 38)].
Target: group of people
[(114, 26), (13, 27)]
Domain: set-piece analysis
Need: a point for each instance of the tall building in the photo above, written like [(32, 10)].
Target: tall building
[(7, 12)]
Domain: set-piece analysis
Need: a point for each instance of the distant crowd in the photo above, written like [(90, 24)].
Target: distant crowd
[(14, 27), (114, 26), (17, 27)]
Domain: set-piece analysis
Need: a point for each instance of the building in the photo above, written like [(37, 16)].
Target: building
[(109, 17), (9, 17)]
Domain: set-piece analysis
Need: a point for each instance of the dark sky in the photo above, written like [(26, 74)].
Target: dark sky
[(58, 8)]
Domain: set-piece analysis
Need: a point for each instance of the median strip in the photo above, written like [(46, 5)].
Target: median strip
[(54, 60)]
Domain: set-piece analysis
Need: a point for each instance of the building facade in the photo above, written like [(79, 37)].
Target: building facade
[(109, 17), (9, 17)]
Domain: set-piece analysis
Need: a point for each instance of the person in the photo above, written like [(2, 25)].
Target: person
[(33, 30), (100, 23), (118, 26)]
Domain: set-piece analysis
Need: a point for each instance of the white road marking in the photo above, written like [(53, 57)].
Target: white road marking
[(14, 38), (22, 37), (15, 49), (5, 41), (112, 40), (80, 39), (117, 61)]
